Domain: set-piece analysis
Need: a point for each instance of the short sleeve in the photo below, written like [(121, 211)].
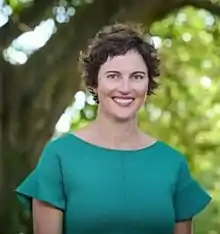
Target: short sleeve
[(189, 198), (45, 182)]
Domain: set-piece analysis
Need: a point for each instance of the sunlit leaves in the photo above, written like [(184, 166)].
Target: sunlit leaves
[(191, 87), (64, 11), (5, 12), (29, 42)]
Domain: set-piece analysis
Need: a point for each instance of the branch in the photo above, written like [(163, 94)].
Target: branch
[(28, 18), (213, 8), (147, 12)]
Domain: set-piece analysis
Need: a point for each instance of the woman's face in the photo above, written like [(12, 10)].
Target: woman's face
[(122, 85)]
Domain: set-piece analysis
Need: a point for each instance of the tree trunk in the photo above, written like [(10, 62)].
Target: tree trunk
[(36, 94), (15, 170)]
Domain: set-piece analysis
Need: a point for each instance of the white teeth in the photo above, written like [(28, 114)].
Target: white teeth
[(123, 100)]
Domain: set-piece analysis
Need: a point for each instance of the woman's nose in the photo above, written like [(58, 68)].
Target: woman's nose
[(124, 86)]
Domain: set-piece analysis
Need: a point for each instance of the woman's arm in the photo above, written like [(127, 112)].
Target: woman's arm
[(185, 227), (46, 218)]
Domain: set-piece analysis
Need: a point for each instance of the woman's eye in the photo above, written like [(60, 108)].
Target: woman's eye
[(112, 76), (138, 77)]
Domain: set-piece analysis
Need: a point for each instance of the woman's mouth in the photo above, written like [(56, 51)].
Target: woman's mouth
[(123, 101)]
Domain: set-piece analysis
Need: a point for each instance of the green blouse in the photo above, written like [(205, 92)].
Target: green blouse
[(107, 191)]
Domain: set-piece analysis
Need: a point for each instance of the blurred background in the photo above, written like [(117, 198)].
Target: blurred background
[(43, 96)]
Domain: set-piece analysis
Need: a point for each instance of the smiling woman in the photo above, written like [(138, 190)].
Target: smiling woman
[(122, 85), (118, 40), (110, 177)]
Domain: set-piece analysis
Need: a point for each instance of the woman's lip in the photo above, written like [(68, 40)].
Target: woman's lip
[(123, 102), (115, 97)]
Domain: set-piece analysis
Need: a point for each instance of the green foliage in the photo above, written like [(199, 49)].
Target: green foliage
[(18, 6), (185, 111), (189, 100)]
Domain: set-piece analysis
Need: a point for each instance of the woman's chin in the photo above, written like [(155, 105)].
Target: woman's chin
[(123, 117)]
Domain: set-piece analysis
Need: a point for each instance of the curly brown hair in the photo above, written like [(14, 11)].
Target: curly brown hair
[(115, 40)]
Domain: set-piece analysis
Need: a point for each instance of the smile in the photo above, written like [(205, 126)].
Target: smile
[(123, 102)]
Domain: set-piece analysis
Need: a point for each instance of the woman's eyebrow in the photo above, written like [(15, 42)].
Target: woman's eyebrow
[(139, 72), (112, 71)]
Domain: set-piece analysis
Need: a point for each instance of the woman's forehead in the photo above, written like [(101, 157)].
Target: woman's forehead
[(131, 61)]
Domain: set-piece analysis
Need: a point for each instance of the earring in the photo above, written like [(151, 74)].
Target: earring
[(94, 94)]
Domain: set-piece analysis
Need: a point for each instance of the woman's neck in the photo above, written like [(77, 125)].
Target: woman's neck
[(116, 134), (108, 133), (117, 128)]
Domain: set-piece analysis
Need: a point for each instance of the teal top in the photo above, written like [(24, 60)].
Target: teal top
[(109, 191)]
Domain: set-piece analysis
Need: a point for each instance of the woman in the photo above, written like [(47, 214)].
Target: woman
[(110, 177)]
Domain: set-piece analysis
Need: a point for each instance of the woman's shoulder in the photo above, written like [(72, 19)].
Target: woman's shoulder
[(170, 153), (61, 143)]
